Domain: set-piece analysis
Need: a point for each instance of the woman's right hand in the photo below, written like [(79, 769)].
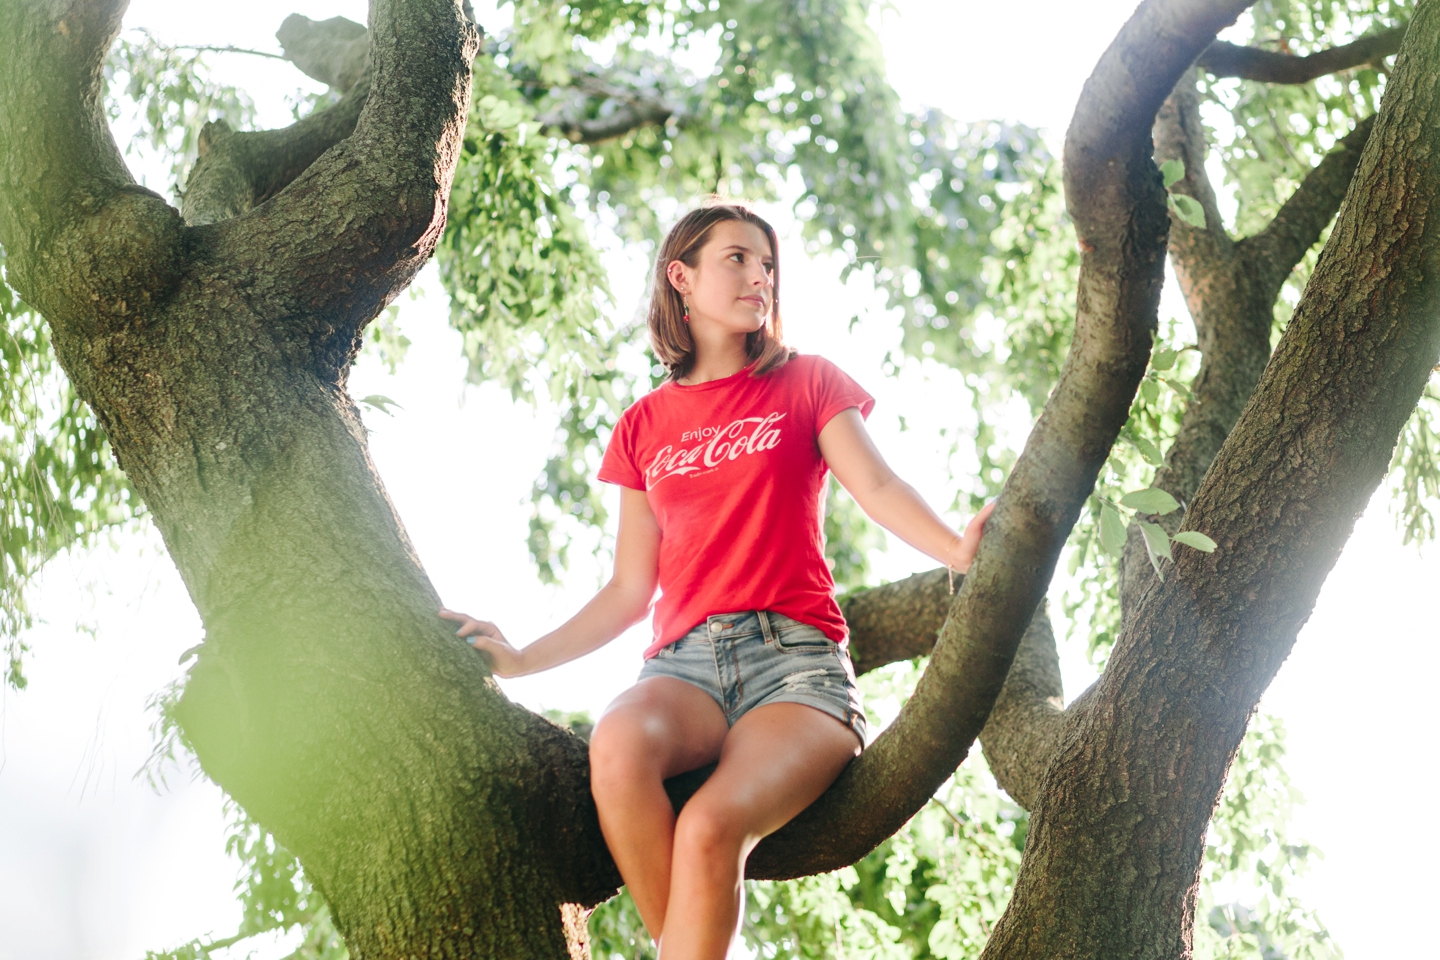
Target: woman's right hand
[(505, 660)]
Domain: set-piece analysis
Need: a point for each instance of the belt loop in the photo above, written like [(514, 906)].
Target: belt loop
[(764, 619)]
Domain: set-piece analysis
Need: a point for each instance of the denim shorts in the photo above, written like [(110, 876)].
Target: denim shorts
[(746, 660)]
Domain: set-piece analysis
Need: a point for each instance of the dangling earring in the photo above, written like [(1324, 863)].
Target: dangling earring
[(686, 304)]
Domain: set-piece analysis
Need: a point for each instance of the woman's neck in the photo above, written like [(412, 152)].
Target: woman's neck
[(717, 361)]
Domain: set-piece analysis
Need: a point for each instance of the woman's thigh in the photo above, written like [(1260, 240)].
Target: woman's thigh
[(774, 763), (661, 721)]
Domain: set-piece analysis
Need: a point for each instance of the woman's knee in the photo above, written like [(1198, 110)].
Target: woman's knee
[(711, 827), (623, 747)]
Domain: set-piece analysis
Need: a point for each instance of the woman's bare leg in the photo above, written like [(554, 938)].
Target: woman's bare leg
[(656, 729), (774, 763)]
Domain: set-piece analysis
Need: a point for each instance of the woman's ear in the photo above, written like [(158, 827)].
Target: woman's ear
[(679, 276)]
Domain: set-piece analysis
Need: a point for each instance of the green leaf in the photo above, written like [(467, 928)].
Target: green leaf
[(1171, 171), (1157, 544), (1188, 209), (1163, 360), (1112, 530), (1149, 390), (1148, 450), (1196, 539), (1177, 386), (1150, 500), (382, 403)]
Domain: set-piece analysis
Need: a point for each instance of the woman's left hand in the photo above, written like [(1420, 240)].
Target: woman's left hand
[(963, 553)]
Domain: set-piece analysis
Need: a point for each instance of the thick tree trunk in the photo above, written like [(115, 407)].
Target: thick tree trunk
[(1114, 851), (438, 818)]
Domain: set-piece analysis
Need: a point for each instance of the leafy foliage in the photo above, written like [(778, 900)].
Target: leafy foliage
[(793, 88), (849, 538), (174, 95), (527, 293), (274, 896), (59, 485), (1249, 838)]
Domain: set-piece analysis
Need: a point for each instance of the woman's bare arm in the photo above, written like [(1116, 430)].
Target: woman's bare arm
[(890, 501), (621, 603)]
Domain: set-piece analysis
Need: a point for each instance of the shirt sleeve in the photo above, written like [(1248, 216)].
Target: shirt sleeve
[(834, 391), (618, 464)]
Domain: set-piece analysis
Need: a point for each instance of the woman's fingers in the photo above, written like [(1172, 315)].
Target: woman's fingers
[(970, 542), (469, 626), (487, 638)]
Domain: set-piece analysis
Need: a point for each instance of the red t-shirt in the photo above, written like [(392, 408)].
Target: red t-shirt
[(733, 472)]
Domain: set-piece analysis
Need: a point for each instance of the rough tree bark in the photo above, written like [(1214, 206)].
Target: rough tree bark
[(1230, 288), (1113, 856)]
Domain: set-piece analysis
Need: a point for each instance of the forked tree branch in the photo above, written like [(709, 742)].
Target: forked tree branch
[(1117, 204), (1223, 59), (375, 200), (1275, 250), (237, 171)]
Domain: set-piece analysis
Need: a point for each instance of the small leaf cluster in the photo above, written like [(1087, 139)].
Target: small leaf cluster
[(1124, 492), (1154, 502), (1186, 207)]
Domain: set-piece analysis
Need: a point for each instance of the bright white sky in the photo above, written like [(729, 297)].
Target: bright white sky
[(95, 866)]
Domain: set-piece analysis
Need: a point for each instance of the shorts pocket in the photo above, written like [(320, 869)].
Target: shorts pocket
[(797, 637)]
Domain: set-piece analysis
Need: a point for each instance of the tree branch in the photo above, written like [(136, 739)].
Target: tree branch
[(333, 51), (899, 621), (375, 200), (1297, 226), (1023, 731), (237, 171), (621, 110), (84, 244), (1197, 252), (1224, 59), (1133, 786), (1117, 204)]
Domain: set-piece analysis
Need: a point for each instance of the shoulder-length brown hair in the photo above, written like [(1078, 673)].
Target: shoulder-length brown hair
[(669, 333)]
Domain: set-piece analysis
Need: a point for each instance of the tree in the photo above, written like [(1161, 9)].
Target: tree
[(212, 345)]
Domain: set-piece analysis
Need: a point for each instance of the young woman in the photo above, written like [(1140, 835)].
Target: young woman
[(722, 473)]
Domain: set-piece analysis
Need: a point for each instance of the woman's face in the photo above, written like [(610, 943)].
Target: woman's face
[(732, 282)]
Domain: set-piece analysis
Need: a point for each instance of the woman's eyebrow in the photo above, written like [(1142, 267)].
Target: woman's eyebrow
[(738, 246)]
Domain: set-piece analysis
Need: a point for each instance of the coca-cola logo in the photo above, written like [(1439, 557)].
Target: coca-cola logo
[(744, 436)]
